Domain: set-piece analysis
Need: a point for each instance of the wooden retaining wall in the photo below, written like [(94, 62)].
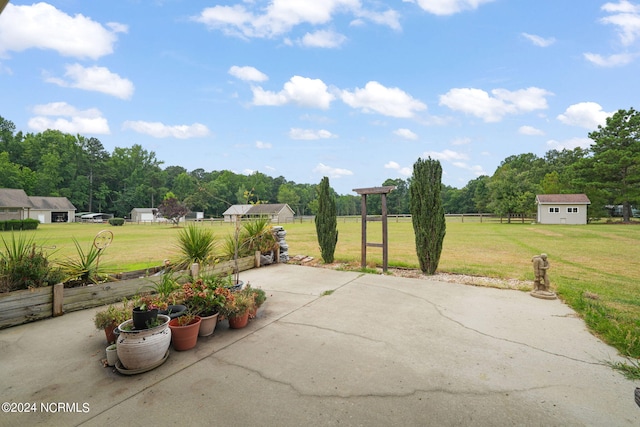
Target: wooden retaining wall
[(25, 306)]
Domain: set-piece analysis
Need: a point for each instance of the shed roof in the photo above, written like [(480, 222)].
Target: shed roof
[(52, 203), (268, 209), (14, 198), (237, 210), (562, 199)]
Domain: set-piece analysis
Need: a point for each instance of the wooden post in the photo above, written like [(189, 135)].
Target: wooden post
[(256, 261), (383, 191), (58, 299), (385, 251), (363, 246)]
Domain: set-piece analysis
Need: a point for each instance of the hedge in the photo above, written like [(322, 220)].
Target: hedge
[(19, 224)]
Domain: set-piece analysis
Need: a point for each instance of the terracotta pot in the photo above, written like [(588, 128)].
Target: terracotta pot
[(141, 348), (184, 337), (208, 325), (111, 336), (240, 321)]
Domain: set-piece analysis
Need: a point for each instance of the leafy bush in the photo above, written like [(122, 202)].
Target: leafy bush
[(116, 221), (24, 266), (30, 224), (13, 224)]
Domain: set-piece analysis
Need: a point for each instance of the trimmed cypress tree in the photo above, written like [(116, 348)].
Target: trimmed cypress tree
[(427, 212), (326, 221)]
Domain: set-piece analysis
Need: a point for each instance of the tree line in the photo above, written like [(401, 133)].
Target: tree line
[(52, 163)]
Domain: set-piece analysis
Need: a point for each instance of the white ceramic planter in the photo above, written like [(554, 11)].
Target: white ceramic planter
[(112, 355), (144, 348)]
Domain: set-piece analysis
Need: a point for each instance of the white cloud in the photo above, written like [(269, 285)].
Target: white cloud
[(42, 26), (391, 102), (448, 7), (406, 133), (250, 20), (160, 130), (539, 41), (448, 155), (530, 130), (490, 108), (323, 38), (625, 16), (569, 144), (70, 119), (263, 145), (615, 60), (457, 159), (404, 171), (461, 141), (97, 79), (310, 134), (584, 114), (249, 74), (331, 172), (302, 91)]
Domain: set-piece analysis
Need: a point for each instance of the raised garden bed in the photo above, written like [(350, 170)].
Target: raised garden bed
[(25, 306)]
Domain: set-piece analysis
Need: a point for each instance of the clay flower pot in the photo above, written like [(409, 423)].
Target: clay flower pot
[(184, 337), (208, 325), (239, 321)]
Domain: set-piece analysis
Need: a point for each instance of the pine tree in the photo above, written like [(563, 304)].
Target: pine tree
[(326, 221), (427, 212)]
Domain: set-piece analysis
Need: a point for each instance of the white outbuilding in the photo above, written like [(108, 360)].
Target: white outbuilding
[(562, 208)]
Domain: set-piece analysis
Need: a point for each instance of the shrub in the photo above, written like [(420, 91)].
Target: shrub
[(24, 266), (116, 221), (30, 224), (326, 222), (13, 224)]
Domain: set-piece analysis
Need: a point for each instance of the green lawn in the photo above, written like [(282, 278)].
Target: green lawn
[(594, 268)]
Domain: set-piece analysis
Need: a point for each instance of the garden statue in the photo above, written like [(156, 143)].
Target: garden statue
[(541, 281)]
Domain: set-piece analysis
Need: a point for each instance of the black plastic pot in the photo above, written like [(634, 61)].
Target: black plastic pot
[(142, 318)]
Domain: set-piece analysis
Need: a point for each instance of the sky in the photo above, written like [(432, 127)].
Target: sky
[(354, 90)]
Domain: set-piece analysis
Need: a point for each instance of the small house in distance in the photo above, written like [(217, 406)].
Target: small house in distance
[(278, 213), (562, 208), (15, 204), (144, 214)]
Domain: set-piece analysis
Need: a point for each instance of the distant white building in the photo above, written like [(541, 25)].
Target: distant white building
[(562, 208), (278, 213), (144, 214), (235, 212)]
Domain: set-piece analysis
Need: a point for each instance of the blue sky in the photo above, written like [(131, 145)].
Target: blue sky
[(350, 89)]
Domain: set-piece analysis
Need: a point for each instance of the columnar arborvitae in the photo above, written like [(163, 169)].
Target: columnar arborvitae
[(326, 221), (427, 212)]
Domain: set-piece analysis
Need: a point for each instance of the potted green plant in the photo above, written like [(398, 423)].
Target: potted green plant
[(184, 331), (146, 310), (258, 297), (109, 318), (236, 309), (205, 297)]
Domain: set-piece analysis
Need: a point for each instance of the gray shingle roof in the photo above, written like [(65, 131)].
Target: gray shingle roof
[(14, 198), (563, 198)]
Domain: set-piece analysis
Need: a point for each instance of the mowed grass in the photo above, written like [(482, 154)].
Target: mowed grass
[(594, 268)]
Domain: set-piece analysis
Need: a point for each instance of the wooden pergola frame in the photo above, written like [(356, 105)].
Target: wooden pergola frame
[(364, 192)]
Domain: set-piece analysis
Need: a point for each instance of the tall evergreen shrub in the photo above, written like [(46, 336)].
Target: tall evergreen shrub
[(326, 221), (427, 212)]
